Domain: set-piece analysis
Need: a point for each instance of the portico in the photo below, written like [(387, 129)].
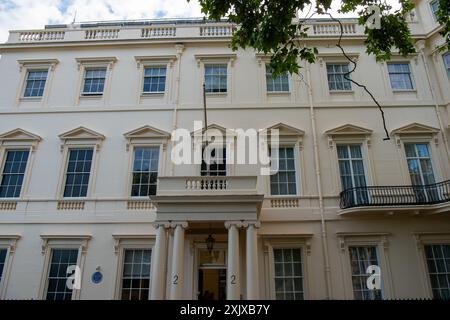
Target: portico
[(232, 205)]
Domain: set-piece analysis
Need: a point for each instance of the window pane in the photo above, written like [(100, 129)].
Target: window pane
[(447, 63), (338, 77), (400, 76), (136, 274), (2, 261), (35, 83), (288, 274), (217, 165), (438, 262), (284, 181), (278, 84), (360, 259), (61, 259), (78, 172), (420, 166), (145, 171), (94, 81), (13, 173), (154, 80), (216, 78)]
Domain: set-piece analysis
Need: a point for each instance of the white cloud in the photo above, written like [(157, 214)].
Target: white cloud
[(32, 14)]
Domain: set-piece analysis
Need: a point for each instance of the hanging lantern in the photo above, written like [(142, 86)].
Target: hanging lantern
[(210, 243)]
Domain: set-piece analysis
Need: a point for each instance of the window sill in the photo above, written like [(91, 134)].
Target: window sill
[(278, 93), (341, 91), (152, 94), (271, 196), (30, 98), (404, 90), (216, 94), (91, 96)]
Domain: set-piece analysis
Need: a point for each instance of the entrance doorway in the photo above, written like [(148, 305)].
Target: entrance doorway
[(212, 274), (212, 284)]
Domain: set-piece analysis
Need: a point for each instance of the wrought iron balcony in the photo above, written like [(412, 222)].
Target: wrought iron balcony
[(379, 196)]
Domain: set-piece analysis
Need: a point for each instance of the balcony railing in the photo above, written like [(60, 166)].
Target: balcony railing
[(157, 31), (206, 185), (377, 196)]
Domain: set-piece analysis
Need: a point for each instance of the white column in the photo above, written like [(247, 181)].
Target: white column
[(158, 262), (233, 279), (252, 261), (176, 279)]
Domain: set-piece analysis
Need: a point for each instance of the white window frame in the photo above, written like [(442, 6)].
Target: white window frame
[(290, 137), (25, 66), (423, 238), (132, 155), (19, 139), (230, 145), (123, 242), (85, 78), (430, 7), (298, 184), (418, 158), (49, 242), (346, 135), (366, 239), (434, 155), (350, 76), (411, 75), (8, 242), (205, 59), (143, 62), (93, 63), (301, 241), (74, 139), (289, 78), (145, 136), (3, 156), (446, 66), (364, 160)]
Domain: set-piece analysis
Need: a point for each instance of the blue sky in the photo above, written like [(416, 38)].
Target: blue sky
[(35, 14)]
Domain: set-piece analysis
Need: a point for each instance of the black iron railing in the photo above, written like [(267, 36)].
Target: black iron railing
[(395, 195)]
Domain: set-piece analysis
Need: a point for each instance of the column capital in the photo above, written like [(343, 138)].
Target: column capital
[(255, 224), (163, 224), (174, 224), (237, 224)]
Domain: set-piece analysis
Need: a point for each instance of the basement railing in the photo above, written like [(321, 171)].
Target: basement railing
[(378, 196)]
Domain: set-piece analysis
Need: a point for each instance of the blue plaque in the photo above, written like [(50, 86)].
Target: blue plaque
[(97, 277)]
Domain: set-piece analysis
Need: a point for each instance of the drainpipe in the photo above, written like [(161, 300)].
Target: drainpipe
[(421, 46), (180, 49), (319, 186)]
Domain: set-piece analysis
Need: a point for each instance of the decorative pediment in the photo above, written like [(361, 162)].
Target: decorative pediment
[(285, 130), (286, 134), (212, 126), (348, 129), (38, 63), (144, 60), (415, 128), (262, 58), (146, 134), (19, 135), (215, 57), (81, 133)]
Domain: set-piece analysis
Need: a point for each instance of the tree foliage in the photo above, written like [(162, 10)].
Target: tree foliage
[(267, 26)]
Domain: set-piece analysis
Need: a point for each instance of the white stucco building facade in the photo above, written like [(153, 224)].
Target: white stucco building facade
[(86, 116)]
